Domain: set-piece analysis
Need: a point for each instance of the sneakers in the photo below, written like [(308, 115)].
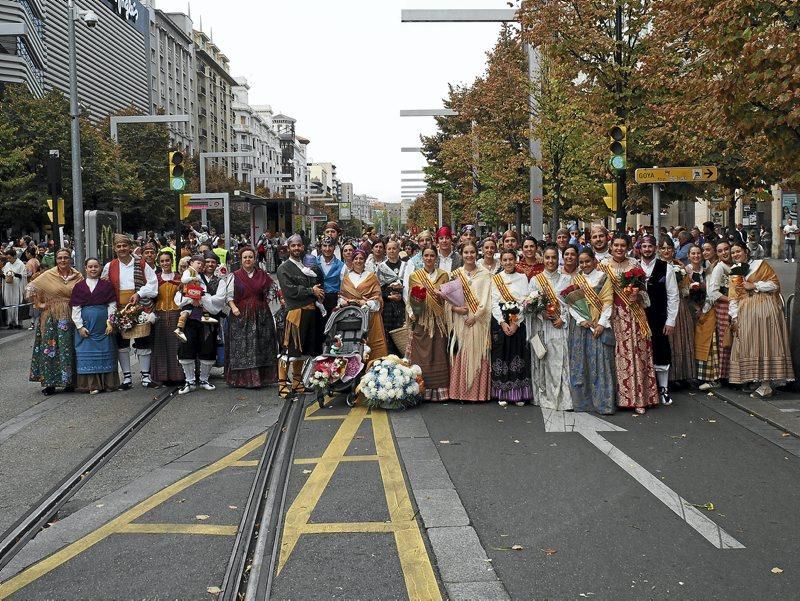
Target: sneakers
[(186, 388), (127, 382), (709, 385), (207, 386), (179, 333), (147, 382), (787, 260), (664, 394), (208, 319)]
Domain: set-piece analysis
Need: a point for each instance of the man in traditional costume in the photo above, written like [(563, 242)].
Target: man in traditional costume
[(303, 333), (333, 232), (600, 243), (200, 332), (134, 283), (662, 288), (212, 282), (332, 268), (446, 259), (15, 278)]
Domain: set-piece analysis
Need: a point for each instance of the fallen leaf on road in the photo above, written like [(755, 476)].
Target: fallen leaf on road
[(785, 434), (202, 516), (511, 548), (307, 471), (516, 441), (549, 551), (444, 442), (214, 590), (516, 547), (776, 571), (233, 507), (706, 506), (100, 505)]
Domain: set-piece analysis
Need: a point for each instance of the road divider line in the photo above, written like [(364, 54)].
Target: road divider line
[(345, 459), (205, 529), (59, 558)]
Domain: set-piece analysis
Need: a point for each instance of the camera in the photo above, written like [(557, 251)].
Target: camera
[(90, 18)]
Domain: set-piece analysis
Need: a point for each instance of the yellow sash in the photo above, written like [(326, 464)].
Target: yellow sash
[(635, 308), (547, 288), (589, 292), (503, 289), (432, 292), (469, 295)]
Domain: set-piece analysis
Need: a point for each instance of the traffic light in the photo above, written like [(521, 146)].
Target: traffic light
[(59, 211), (611, 196), (185, 208), (176, 171), (618, 145)]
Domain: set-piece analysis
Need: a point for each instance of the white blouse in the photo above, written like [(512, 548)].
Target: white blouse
[(761, 287), (356, 279), (594, 278), (558, 282), (517, 284), (77, 316)]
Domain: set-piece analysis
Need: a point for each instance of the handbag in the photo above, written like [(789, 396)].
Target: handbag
[(538, 348), (400, 337)]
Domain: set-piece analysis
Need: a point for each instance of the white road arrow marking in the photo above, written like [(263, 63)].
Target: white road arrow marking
[(588, 426)]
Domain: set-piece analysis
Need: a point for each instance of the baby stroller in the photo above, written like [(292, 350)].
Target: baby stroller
[(338, 369)]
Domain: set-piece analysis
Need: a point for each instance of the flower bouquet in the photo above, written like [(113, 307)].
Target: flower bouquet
[(575, 298), (132, 321), (534, 303), (510, 311), (326, 371), (392, 383), (633, 280), (697, 290), (417, 297), (738, 273)]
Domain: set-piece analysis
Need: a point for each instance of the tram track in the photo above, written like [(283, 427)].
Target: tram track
[(29, 525), (251, 567)]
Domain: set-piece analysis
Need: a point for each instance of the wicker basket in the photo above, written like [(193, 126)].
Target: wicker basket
[(140, 330), (400, 337)]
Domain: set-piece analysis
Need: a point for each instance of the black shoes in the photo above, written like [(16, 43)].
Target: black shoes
[(664, 394)]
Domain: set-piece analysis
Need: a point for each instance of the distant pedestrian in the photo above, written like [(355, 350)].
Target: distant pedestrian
[(789, 240), (15, 278)]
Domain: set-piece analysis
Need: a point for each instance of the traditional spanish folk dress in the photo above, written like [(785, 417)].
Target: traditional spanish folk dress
[(511, 356), (550, 374), (716, 288), (592, 373), (470, 346), (529, 269), (165, 366), (394, 311), (706, 342), (428, 346), (251, 351), (364, 286), (53, 361), (760, 351), (93, 302), (636, 376), (15, 279), (683, 366)]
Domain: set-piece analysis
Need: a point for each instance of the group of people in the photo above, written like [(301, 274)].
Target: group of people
[(179, 323), (593, 322)]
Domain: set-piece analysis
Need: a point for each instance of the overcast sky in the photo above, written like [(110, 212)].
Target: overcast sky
[(345, 69)]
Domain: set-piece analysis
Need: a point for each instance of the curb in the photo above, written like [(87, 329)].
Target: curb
[(755, 413)]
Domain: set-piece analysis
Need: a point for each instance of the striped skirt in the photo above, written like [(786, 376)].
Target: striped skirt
[(682, 343), (760, 351), (723, 323)]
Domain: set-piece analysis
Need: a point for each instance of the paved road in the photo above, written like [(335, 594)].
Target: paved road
[(424, 504)]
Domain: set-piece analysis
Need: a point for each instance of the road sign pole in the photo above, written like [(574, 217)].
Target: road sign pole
[(441, 211), (656, 211), (178, 224)]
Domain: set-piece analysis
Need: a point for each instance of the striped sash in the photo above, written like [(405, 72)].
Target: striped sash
[(547, 288), (589, 292), (634, 307), (432, 292), (469, 295), (503, 289)]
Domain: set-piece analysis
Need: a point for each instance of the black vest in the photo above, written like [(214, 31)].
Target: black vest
[(657, 291)]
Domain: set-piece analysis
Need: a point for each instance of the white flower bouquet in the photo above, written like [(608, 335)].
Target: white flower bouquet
[(392, 383)]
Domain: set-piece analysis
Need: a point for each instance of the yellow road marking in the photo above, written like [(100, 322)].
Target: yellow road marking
[(345, 459), (50, 563), (214, 529), (324, 417), (418, 572), (245, 463)]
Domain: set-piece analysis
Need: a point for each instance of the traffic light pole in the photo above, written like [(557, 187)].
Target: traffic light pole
[(178, 226)]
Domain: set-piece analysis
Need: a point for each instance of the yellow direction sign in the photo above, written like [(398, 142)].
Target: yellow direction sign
[(665, 175)]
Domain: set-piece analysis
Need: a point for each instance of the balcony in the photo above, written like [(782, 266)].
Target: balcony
[(204, 133)]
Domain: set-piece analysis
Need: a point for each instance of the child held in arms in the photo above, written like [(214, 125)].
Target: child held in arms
[(192, 288)]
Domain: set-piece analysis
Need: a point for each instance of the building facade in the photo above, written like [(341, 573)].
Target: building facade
[(253, 131), (172, 74), (360, 208), (112, 57), (23, 51), (214, 98)]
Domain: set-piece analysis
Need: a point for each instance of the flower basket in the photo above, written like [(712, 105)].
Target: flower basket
[(140, 330), (400, 337), (392, 383), (132, 321)]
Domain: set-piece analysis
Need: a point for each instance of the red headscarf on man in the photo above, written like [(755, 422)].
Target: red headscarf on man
[(444, 232)]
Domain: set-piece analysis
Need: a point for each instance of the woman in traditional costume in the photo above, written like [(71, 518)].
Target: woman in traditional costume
[(429, 322), (348, 248), (391, 275), (569, 268), (93, 301), (591, 341), (361, 287), (760, 353), (706, 342), (251, 351), (511, 357), (550, 374), (53, 362), (717, 300), (470, 343), (488, 262), (682, 369), (377, 256), (165, 366), (636, 376), (528, 263)]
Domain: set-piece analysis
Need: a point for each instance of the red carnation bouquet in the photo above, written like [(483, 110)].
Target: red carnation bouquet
[(418, 296), (576, 300), (633, 280)]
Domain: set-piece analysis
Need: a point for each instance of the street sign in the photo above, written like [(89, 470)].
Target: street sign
[(666, 175), (537, 200)]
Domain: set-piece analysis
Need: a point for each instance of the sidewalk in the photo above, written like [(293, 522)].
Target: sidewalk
[(781, 411)]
